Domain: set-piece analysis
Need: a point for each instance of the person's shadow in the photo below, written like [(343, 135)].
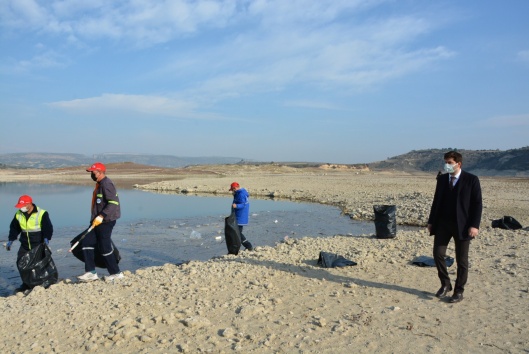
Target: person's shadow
[(321, 274)]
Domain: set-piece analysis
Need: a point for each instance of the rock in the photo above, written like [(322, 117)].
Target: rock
[(196, 322), (228, 332)]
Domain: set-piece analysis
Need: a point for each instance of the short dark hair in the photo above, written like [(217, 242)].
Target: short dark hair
[(454, 155)]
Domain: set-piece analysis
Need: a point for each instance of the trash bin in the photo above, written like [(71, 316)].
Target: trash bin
[(385, 221)]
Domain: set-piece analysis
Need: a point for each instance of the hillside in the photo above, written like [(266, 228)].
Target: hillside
[(54, 160), (514, 162)]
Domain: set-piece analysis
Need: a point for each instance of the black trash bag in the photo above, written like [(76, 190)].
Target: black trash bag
[(332, 260), (36, 267), (98, 257), (232, 234), (385, 221), (507, 223), (425, 261)]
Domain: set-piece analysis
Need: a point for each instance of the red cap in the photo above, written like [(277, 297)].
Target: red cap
[(234, 185), (98, 166), (23, 201)]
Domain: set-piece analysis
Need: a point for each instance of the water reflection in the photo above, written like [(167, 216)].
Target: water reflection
[(162, 228), (70, 205)]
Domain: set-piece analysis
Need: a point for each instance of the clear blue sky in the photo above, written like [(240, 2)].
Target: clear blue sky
[(345, 81)]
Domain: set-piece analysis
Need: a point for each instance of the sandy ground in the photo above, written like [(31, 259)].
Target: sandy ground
[(277, 299)]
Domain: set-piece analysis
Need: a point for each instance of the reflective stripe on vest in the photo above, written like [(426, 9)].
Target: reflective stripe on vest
[(108, 201), (32, 224)]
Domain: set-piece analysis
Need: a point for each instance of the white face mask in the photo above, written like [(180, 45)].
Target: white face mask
[(24, 209), (450, 168)]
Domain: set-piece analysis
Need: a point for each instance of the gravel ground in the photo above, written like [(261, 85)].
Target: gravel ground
[(278, 300)]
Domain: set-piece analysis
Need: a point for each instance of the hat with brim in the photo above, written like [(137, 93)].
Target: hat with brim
[(24, 201), (98, 166)]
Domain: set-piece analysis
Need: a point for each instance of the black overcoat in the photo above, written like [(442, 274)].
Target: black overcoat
[(469, 203)]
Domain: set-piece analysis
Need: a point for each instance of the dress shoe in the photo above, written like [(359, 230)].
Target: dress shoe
[(445, 289), (457, 297)]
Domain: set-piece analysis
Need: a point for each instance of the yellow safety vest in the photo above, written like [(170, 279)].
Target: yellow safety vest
[(32, 224)]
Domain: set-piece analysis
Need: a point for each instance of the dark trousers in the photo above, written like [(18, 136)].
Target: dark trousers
[(444, 232), (244, 241), (100, 237)]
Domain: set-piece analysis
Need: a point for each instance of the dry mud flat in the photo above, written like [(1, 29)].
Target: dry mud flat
[(278, 300)]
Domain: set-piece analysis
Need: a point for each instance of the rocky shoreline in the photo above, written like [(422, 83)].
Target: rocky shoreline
[(278, 300), (357, 192)]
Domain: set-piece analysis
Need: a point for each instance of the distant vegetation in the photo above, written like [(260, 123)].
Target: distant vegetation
[(513, 162), (53, 160), (483, 162)]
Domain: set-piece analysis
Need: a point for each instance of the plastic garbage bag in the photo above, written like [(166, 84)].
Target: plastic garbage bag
[(232, 234), (98, 257), (195, 235), (425, 261), (507, 223), (37, 267), (332, 260), (385, 221)]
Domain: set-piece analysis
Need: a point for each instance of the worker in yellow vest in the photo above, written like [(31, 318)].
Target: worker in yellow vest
[(34, 226)]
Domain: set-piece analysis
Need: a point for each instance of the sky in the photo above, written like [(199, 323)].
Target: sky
[(333, 81)]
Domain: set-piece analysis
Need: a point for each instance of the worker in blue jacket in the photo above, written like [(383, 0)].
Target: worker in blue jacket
[(241, 205)]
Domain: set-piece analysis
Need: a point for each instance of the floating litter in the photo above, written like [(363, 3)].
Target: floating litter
[(195, 234)]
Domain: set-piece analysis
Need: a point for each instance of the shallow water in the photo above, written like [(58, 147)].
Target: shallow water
[(151, 241)]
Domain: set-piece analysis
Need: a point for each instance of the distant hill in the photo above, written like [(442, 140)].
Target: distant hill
[(514, 162), (54, 160)]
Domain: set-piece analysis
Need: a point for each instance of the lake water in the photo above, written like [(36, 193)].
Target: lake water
[(160, 228)]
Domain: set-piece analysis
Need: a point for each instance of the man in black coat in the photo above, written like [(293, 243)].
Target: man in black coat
[(456, 212)]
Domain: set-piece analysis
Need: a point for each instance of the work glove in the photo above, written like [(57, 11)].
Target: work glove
[(46, 241), (97, 221), (8, 246)]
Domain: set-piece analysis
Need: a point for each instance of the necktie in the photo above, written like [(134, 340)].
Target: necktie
[(452, 182)]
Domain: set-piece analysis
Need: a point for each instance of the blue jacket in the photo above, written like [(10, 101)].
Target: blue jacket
[(242, 210)]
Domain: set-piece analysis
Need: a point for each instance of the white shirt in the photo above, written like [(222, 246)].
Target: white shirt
[(456, 176)]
